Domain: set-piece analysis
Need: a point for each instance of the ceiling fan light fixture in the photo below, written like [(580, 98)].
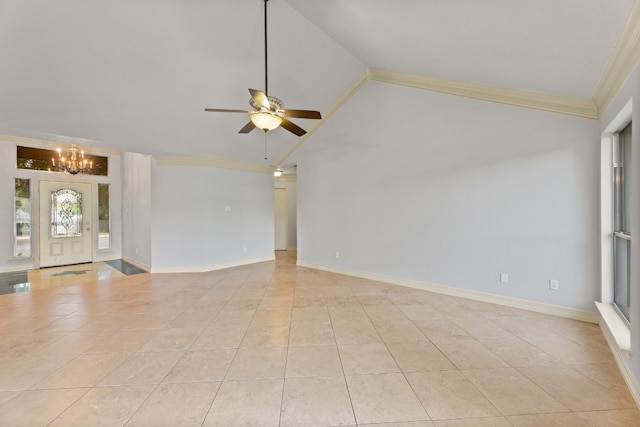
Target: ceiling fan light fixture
[(267, 112), (265, 121)]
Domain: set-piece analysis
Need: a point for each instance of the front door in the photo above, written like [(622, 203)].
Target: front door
[(65, 223)]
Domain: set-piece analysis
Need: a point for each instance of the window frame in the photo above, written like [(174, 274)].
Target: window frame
[(109, 239), (16, 255), (621, 168)]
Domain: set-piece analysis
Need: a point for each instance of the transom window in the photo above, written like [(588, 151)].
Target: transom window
[(48, 160)]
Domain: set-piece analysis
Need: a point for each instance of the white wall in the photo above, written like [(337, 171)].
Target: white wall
[(454, 191), (136, 209), (9, 171), (292, 226), (192, 231)]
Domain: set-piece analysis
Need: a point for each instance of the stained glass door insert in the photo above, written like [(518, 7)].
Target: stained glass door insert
[(66, 213)]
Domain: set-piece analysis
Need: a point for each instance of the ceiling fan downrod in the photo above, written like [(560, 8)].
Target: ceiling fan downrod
[(266, 71), (267, 112)]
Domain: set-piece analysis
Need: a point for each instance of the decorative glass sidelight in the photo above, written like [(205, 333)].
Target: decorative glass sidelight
[(22, 218), (66, 213), (104, 224)]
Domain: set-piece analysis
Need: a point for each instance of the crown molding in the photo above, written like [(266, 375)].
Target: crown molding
[(290, 178), (624, 58), (572, 106), (210, 161), (353, 88)]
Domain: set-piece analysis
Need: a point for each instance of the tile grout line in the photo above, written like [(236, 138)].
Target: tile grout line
[(286, 359), (344, 375), (399, 367)]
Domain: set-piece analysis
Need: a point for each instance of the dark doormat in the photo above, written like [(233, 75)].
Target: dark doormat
[(125, 267)]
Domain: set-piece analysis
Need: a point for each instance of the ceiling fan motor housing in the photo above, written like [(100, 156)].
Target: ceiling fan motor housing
[(275, 105)]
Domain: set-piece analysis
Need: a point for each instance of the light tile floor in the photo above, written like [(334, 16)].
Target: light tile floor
[(273, 344)]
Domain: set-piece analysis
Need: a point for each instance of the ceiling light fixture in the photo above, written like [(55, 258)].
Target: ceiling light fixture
[(265, 121), (73, 162), (268, 112), (278, 172)]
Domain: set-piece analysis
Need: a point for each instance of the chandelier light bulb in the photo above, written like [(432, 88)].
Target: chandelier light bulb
[(73, 163)]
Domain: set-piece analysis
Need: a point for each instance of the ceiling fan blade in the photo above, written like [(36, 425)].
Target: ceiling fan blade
[(260, 98), (224, 110), (292, 127), (303, 114), (248, 127)]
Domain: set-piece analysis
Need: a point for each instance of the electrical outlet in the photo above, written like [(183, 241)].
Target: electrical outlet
[(337, 254), (554, 285), (504, 278)]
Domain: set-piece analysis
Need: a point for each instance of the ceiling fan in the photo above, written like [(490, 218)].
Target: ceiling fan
[(267, 113)]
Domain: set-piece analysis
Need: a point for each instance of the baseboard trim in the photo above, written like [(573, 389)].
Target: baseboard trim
[(617, 327), (107, 256), (15, 268), (621, 358), (138, 264), (212, 267), (554, 310)]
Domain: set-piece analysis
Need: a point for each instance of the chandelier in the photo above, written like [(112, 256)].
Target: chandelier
[(72, 162)]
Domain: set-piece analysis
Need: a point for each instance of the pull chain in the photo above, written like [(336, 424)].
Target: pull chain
[(265, 145)]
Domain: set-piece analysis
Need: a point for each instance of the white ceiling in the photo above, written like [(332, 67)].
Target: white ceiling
[(136, 75)]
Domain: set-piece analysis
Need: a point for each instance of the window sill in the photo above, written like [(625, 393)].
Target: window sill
[(21, 258), (616, 326)]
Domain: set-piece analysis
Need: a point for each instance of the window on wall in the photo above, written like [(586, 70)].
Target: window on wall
[(622, 219), (104, 222), (22, 218)]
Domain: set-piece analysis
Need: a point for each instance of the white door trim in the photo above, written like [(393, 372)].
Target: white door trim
[(65, 250)]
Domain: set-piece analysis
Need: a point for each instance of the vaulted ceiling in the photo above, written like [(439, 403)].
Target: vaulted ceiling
[(136, 75)]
